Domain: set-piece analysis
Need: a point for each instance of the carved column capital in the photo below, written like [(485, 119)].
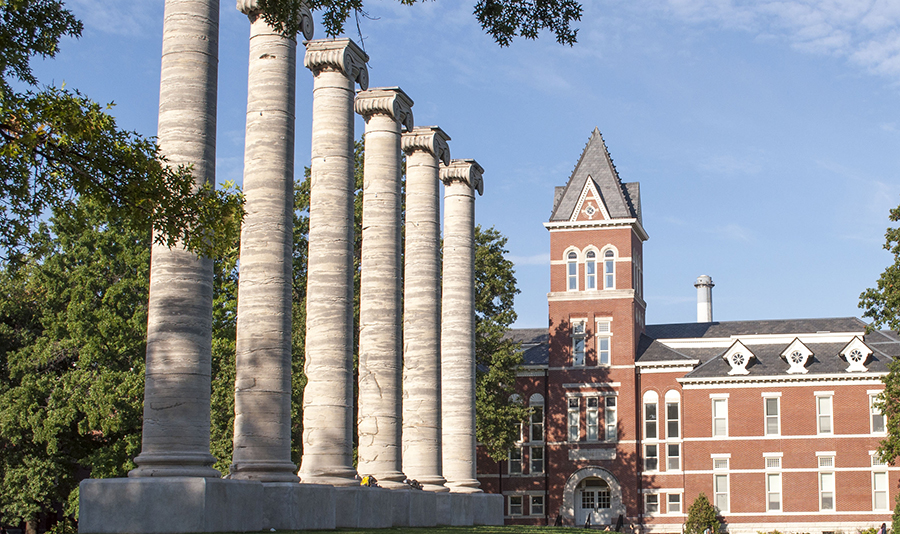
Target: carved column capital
[(467, 171), (431, 139), (252, 10), (342, 55), (390, 101)]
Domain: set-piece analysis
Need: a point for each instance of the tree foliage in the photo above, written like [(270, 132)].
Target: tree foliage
[(57, 145), (503, 20), (882, 303), (701, 516)]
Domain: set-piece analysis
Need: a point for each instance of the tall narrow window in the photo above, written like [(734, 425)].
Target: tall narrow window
[(593, 419), (650, 415), (773, 483), (603, 341), (537, 461), (720, 417), (574, 419), (720, 483), (578, 334), (537, 505), (826, 482), (772, 416), (823, 412), (515, 505), (609, 270), (572, 270), (651, 457), (876, 415), (879, 484), (651, 503), (673, 426), (536, 402), (515, 461), (609, 418), (673, 457), (590, 270)]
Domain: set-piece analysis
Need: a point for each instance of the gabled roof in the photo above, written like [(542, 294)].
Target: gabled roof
[(622, 200), (535, 344), (748, 328)]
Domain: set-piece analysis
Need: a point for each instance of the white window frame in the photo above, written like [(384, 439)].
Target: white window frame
[(536, 421), (579, 337), (513, 460), (670, 421), (721, 473), (720, 400), (651, 457), (770, 399), (531, 504), (670, 466), (520, 505), (821, 416), (610, 418), (571, 271), (669, 503), (573, 419), (880, 470), (535, 468), (651, 415), (651, 503), (590, 264), (603, 333), (827, 480), (592, 416), (774, 481), (877, 420), (609, 269)]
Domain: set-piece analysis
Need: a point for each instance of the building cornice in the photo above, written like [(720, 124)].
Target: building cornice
[(727, 382), (758, 339), (563, 226)]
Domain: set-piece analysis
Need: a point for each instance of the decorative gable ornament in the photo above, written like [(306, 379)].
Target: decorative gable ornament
[(738, 356), (797, 355), (857, 354), (590, 203)]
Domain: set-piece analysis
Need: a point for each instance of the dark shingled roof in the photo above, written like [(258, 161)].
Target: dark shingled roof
[(535, 344), (746, 328), (622, 201)]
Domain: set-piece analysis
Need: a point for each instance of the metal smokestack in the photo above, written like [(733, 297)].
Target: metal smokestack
[(704, 285)]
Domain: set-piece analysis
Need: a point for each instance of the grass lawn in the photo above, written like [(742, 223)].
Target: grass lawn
[(441, 530)]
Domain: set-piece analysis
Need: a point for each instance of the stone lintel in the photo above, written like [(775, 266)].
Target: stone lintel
[(342, 55), (252, 10), (428, 138), (467, 171), (390, 101)]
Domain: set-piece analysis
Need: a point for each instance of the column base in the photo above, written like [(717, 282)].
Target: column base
[(264, 471), (464, 486), (175, 465)]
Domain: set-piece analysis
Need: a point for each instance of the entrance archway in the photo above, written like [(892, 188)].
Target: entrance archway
[(592, 492)]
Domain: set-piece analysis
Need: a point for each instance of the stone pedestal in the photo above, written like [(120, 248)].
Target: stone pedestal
[(461, 179), (487, 509), (385, 111), (425, 148), (363, 507), (292, 506), (262, 396), (328, 398), (170, 505)]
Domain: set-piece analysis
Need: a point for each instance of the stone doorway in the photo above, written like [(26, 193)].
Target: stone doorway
[(592, 492)]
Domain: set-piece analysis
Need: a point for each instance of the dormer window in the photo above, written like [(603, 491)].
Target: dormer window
[(797, 355), (738, 356), (609, 269), (857, 354), (590, 270), (572, 270)]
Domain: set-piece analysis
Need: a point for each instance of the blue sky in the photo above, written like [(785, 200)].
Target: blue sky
[(764, 133)]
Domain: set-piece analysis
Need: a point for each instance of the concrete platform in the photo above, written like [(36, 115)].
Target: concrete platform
[(289, 506), (487, 508), (363, 507)]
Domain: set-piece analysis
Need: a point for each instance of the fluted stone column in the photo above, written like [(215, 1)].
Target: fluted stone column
[(385, 111), (262, 392), (425, 148), (337, 65), (461, 179), (175, 439)]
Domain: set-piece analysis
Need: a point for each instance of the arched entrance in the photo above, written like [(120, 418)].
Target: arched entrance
[(592, 492)]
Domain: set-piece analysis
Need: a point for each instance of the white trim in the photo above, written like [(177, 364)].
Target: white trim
[(600, 294), (778, 437), (719, 395), (735, 382), (590, 385), (773, 454), (718, 455), (823, 393), (574, 226), (826, 453), (770, 394)]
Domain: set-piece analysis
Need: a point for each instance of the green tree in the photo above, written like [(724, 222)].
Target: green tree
[(57, 145), (501, 19), (72, 341), (701, 516)]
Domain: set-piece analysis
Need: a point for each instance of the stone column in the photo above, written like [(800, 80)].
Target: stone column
[(337, 65), (385, 111), (425, 148), (175, 439), (461, 179), (262, 392)]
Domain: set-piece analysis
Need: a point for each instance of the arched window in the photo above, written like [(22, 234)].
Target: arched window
[(651, 431), (673, 431), (609, 269), (572, 269), (536, 403), (590, 270)]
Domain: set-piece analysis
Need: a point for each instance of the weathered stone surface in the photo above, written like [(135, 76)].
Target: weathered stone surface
[(425, 148), (328, 397), (262, 394), (170, 505), (362, 507), (175, 439), (461, 179), (462, 513), (423, 508), (289, 506), (443, 510), (380, 385), (487, 509)]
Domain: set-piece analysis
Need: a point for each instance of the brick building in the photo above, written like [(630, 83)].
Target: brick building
[(772, 420)]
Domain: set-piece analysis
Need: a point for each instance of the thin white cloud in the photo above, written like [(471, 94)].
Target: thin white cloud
[(733, 232)]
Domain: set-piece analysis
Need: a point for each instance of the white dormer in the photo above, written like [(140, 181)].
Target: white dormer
[(738, 356), (797, 355), (857, 354)]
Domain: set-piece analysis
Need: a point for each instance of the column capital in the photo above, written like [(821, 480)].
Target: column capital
[(252, 10), (467, 171), (430, 139), (390, 101), (342, 55)]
